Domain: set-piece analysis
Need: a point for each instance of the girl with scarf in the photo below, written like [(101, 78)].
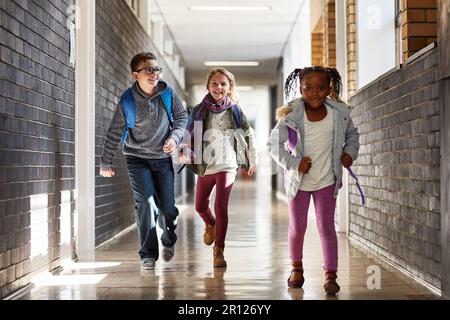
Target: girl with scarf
[(218, 141)]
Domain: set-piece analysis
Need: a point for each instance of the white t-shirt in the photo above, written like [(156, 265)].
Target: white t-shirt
[(318, 146), (219, 153)]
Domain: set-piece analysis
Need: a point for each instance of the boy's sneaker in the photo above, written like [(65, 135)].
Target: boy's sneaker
[(168, 253), (148, 264)]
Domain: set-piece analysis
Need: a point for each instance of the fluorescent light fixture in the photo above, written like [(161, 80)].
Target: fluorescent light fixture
[(232, 63), (230, 8)]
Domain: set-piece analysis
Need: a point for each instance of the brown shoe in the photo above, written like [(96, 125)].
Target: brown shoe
[(331, 286), (296, 278), (219, 260), (210, 234)]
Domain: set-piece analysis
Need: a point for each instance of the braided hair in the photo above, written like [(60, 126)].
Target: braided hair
[(295, 79)]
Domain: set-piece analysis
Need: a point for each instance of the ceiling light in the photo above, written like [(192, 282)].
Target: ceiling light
[(230, 8), (232, 63)]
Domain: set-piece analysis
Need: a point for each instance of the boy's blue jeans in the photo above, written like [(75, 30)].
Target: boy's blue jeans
[(152, 182)]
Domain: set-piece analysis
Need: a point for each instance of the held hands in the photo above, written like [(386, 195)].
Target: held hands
[(107, 173), (184, 157), (305, 165), (346, 160), (169, 146), (251, 170)]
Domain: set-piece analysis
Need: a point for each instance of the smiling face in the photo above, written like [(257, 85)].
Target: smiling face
[(315, 88), (146, 81), (219, 86)]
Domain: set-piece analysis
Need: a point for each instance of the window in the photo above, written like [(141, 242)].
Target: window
[(376, 39)]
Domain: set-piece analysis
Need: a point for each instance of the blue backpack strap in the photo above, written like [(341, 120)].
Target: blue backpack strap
[(129, 110), (237, 116), (167, 99)]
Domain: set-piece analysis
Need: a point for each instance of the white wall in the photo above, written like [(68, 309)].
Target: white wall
[(297, 53), (257, 109), (85, 128), (341, 65), (376, 39)]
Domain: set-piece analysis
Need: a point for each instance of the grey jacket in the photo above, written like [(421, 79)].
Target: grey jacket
[(345, 139), (151, 129)]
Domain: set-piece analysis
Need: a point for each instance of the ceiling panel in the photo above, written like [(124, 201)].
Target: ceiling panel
[(202, 36)]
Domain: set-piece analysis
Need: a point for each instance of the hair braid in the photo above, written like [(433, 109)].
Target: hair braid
[(336, 84), (292, 84)]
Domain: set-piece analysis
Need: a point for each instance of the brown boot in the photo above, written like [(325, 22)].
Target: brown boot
[(331, 286), (219, 260), (296, 278), (210, 234)]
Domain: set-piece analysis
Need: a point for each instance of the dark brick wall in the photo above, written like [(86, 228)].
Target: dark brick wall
[(119, 36), (444, 68), (399, 122), (36, 137)]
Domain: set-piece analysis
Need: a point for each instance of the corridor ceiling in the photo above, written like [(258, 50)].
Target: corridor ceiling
[(237, 36)]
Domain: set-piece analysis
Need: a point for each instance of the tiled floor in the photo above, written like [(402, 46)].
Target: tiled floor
[(256, 252)]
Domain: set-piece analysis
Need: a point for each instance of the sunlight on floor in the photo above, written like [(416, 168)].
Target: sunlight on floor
[(70, 265), (68, 280)]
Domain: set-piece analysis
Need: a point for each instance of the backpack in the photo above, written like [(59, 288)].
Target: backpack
[(129, 108)]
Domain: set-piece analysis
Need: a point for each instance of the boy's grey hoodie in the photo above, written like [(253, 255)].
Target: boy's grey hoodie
[(151, 128)]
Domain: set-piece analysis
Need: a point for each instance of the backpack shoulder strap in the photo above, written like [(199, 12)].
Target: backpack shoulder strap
[(292, 138), (129, 110), (237, 116), (129, 107), (167, 99)]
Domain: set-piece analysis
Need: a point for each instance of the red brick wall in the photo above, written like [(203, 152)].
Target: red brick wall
[(317, 48), (419, 27), (330, 34), (351, 46)]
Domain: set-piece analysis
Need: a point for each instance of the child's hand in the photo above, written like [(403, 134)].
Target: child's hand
[(346, 160), (184, 159), (305, 165), (107, 173), (169, 146), (251, 170), (184, 153)]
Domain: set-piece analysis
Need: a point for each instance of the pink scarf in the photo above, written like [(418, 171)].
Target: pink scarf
[(211, 104)]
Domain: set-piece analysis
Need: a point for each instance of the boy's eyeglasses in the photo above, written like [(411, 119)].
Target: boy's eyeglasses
[(151, 70)]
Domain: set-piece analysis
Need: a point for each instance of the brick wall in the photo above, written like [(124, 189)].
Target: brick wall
[(317, 49), (36, 139), (419, 27), (399, 122), (330, 34), (351, 46), (323, 36), (119, 36), (444, 71)]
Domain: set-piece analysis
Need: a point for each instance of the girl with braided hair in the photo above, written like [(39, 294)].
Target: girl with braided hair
[(313, 139)]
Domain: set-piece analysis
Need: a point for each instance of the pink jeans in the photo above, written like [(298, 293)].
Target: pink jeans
[(224, 183), (324, 203)]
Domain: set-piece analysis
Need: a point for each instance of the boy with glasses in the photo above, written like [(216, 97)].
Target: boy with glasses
[(147, 146)]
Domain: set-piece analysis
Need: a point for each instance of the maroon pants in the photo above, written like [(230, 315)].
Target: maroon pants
[(224, 183)]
